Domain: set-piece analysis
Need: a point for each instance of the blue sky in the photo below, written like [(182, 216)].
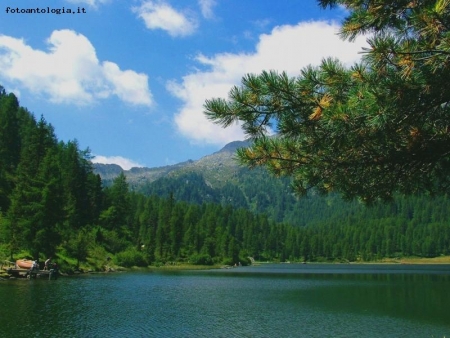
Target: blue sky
[(128, 79)]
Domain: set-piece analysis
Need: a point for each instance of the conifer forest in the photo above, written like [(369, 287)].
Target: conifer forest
[(52, 203)]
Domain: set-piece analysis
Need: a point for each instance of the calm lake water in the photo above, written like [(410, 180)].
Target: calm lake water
[(286, 300)]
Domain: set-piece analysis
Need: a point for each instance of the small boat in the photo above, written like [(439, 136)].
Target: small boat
[(24, 264)]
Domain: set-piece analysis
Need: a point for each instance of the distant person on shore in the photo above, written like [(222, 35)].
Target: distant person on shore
[(47, 263)]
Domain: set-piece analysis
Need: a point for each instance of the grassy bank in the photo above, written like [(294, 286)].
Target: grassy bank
[(417, 260), (402, 260), (183, 267)]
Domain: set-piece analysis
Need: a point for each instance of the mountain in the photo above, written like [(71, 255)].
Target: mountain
[(135, 176), (218, 178), (107, 171), (217, 168)]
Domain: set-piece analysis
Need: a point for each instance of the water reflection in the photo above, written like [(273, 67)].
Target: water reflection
[(266, 301)]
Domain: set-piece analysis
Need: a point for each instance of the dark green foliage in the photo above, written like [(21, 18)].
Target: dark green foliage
[(78, 244), (112, 240), (47, 189), (368, 131), (52, 202), (130, 257), (330, 228), (254, 190), (117, 200), (201, 259), (205, 233), (190, 187), (9, 145)]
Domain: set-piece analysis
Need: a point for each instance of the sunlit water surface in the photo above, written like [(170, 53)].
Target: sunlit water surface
[(286, 300)]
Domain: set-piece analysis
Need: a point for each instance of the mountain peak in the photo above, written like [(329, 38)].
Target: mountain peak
[(233, 146), (218, 168)]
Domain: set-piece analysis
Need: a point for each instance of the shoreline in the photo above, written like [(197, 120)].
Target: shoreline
[(444, 260), (441, 260), (416, 260)]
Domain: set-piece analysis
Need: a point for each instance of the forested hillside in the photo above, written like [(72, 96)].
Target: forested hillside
[(325, 227), (53, 204), (48, 191), (218, 178)]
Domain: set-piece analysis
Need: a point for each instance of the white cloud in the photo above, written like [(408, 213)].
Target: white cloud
[(160, 15), (123, 162), (91, 3), (127, 85), (69, 72), (286, 48), (206, 7)]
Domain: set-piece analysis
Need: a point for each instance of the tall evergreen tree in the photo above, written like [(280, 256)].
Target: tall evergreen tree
[(379, 127), (9, 145)]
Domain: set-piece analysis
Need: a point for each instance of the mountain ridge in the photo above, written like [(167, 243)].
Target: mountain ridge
[(218, 178), (137, 175)]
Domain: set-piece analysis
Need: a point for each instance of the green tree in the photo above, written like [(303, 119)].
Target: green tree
[(163, 238), (117, 212), (77, 246), (176, 228), (47, 215), (36, 206), (367, 131), (75, 171), (9, 145), (190, 239)]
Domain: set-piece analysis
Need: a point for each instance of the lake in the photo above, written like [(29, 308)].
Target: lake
[(282, 300)]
